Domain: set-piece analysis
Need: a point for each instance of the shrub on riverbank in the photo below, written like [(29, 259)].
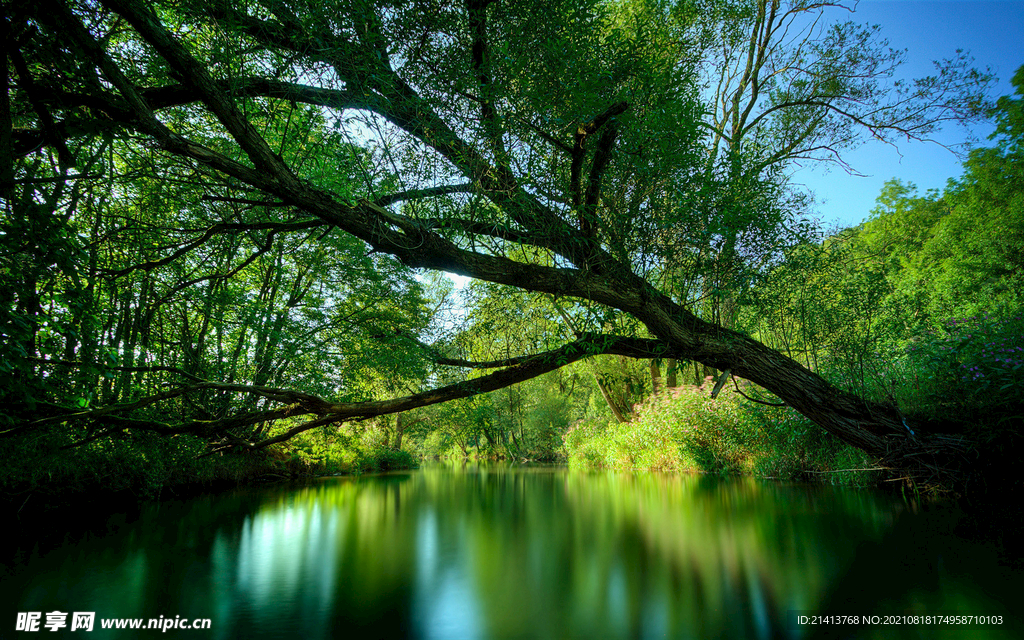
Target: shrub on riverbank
[(39, 470), (964, 378), (377, 460), (972, 368), (42, 468), (339, 451), (685, 429)]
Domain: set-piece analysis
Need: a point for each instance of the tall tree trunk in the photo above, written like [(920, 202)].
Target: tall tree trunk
[(655, 377), (399, 430), (609, 400), (671, 375), (606, 393)]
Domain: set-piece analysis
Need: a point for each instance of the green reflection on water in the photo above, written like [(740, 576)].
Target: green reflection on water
[(514, 552)]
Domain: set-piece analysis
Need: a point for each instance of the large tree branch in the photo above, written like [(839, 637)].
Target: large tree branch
[(215, 230), (602, 157), (419, 194), (482, 228), (477, 10), (404, 108), (48, 125), (523, 369), (412, 244), (298, 403), (579, 149), (115, 108), (146, 22), (609, 345)]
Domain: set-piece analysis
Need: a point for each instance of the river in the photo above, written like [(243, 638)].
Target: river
[(501, 551)]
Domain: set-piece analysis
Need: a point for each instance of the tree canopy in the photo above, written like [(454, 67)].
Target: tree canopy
[(218, 213)]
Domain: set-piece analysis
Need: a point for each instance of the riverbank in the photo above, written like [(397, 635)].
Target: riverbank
[(686, 430), (41, 475)]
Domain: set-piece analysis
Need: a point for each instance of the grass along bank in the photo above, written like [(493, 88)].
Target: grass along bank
[(685, 429)]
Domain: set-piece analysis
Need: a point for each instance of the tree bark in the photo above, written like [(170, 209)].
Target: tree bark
[(671, 373)]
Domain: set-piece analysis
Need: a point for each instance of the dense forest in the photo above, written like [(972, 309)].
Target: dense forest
[(226, 229)]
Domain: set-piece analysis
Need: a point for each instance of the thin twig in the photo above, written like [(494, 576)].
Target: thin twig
[(845, 470)]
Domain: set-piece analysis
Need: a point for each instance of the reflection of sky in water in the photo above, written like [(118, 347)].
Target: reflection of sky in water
[(615, 600), (442, 555), (291, 557), (444, 606), (285, 564)]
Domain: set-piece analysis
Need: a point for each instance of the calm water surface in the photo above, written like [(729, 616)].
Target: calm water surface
[(518, 552)]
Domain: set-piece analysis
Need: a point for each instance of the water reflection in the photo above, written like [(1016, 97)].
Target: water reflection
[(503, 552)]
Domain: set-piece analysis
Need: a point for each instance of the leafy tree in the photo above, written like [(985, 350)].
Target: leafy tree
[(974, 261), (565, 156), (958, 254)]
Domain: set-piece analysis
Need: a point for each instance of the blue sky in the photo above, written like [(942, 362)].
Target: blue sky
[(991, 30)]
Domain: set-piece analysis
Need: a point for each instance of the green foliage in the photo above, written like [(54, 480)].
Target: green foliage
[(687, 430), (195, 283), (336, 450), (379, 460), (913, 272), (966, 259), (975, 261), (972, 368), (936, 282), (143, 465)]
